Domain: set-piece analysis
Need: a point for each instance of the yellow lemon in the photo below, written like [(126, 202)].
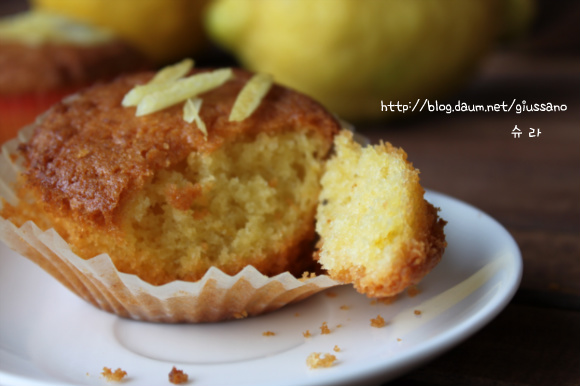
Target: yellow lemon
[(353, 54), (165, 30)]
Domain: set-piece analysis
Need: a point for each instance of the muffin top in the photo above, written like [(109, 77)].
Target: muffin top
[(89, 153)]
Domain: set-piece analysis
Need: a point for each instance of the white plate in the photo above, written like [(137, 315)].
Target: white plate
[(48, 336)]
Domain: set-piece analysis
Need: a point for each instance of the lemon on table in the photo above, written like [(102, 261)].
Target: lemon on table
[(165, 30), (351, 54)]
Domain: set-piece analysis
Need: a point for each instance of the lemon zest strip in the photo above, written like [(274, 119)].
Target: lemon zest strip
[(250, 97), (191, 110), (181, 90), (160, 81)]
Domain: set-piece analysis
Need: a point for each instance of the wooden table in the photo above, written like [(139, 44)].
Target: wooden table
[(532, 186), (529, 184)]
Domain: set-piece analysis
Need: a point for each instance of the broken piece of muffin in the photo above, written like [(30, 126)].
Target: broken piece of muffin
[(376, 229)]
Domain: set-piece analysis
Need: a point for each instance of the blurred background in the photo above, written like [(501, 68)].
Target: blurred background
[(351, 55), (355, 57)]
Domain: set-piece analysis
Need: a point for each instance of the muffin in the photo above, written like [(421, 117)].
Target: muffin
[(192, 196), (165, 201), (171, 201), (44, 57), (377, 231)]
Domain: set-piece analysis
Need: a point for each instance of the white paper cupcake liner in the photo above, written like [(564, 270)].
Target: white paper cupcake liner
[(217, 296)]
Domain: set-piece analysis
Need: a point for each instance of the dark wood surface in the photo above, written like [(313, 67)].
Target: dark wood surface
[(532, 187)]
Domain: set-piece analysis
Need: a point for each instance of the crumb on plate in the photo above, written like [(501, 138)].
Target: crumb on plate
[(316, 360), (113, 376), (177, 377), (324, 329), (268, 333), (378, 322), (241, 315), (307, 334), (417, 312), (336, 348)]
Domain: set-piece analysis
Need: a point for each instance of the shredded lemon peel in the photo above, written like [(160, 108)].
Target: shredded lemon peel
[(161, 80), (250, 97), (169, 87), (181, 90), (191, 110)]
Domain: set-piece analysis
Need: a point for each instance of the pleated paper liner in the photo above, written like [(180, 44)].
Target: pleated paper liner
[(217, 296)]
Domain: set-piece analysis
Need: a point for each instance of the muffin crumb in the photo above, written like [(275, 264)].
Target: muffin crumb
[(336, 348), (324, 329), (307, 275), (344, 307), (307, 334), (241, 315), (268, 333), (113, 376), (331, 294), (378, 322), (177, 377), (83, 153), (417, 312), (315, 360)]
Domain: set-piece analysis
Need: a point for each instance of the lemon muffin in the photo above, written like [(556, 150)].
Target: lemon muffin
[(167, 199), (45, 56), (377, 230)]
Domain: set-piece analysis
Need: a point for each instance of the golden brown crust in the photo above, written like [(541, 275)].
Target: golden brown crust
[(26, 69), (89, 154)]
